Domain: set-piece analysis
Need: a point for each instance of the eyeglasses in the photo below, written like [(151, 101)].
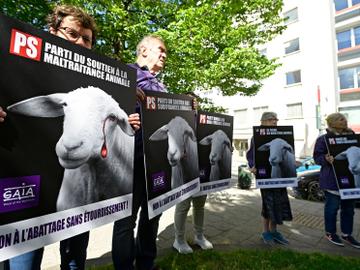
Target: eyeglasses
[(73, 35), (273, 119)]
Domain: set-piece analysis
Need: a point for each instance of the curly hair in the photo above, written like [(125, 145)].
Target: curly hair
[(61, 11)]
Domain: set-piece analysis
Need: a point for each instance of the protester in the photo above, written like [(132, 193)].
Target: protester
[(181, 211), (275, 201), (151, 55), (75, 25), (337, 125)]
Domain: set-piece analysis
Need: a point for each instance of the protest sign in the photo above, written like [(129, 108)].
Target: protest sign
[(214, 133), (274, 156), (64, 168), (346, 152), (170, 149)]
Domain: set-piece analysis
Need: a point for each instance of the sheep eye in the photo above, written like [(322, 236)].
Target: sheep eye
[(64, 104)]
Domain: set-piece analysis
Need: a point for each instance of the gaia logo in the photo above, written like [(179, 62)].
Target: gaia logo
[(158, 180), (19, 192)]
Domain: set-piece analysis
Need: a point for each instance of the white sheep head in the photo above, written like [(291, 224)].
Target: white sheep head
[(90, 117), (178, 132), (219, 141), (352, 154), (278, 148)]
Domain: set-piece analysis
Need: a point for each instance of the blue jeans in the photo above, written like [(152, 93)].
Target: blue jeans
[(73, 252), (27, 261), (332, 204), (142, 250)]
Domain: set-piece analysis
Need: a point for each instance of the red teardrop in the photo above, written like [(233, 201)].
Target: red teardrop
[(103, 151)]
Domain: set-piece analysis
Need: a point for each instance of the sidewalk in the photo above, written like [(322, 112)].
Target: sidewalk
[(232, 220)]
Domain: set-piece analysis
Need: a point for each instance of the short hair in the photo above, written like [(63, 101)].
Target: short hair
[(332, 118), (146, 40), (61, 11), (268, 115)]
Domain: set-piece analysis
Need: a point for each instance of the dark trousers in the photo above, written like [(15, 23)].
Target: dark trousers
[(332, 204), (142, 250), (73, 252)]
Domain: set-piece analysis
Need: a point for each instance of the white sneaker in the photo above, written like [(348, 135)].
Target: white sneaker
[(182, 246), (203, 242)]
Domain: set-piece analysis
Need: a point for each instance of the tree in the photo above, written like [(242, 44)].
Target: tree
[(211, 44)]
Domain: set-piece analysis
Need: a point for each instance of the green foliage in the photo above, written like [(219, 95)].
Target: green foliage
[(211, 44)]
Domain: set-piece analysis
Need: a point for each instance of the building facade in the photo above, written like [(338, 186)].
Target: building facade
[(319, 74)]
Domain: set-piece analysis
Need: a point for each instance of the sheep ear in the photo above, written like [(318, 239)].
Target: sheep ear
[(264, 147), (228, 144), (125, 126), (206, 140), (341, 156), (289, 148), (40, 106), (160, 134), (191, 135)]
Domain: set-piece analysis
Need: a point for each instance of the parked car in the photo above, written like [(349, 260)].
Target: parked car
[(307, 164), (308, 188)]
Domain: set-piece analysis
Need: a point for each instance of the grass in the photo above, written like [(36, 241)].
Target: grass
[(253, 260)]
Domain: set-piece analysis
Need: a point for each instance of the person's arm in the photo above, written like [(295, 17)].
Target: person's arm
[(2, 115), (321, 155), (250, 157)]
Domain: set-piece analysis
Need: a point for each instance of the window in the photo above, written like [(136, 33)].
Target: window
[(291, 16), (349, 78), (293, 77), (344, 39), (355, 2), (340, 4), (352, 114), (294, 110), (258, 111), (292, 46), (240, 117), (357, 35)]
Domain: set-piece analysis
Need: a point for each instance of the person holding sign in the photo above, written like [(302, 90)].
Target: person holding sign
[(75, 25), (337, 125), (275, 201), (78, 27), (151, 56), (181, 211)]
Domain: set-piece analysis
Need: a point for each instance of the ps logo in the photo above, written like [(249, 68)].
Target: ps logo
[(150, 103), (25, 45)]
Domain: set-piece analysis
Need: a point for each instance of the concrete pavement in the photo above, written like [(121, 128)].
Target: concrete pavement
[(232, 220)]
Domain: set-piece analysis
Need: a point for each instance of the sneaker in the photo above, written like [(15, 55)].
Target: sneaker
[(203, 242), (335, 239), (351, 241), (267, 237), (182, 246), (279, 238)]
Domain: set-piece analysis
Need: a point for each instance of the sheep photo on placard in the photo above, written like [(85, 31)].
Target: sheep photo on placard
[(352, 155), (220, 155), (182, 150), (281, 158), (96, 147)]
